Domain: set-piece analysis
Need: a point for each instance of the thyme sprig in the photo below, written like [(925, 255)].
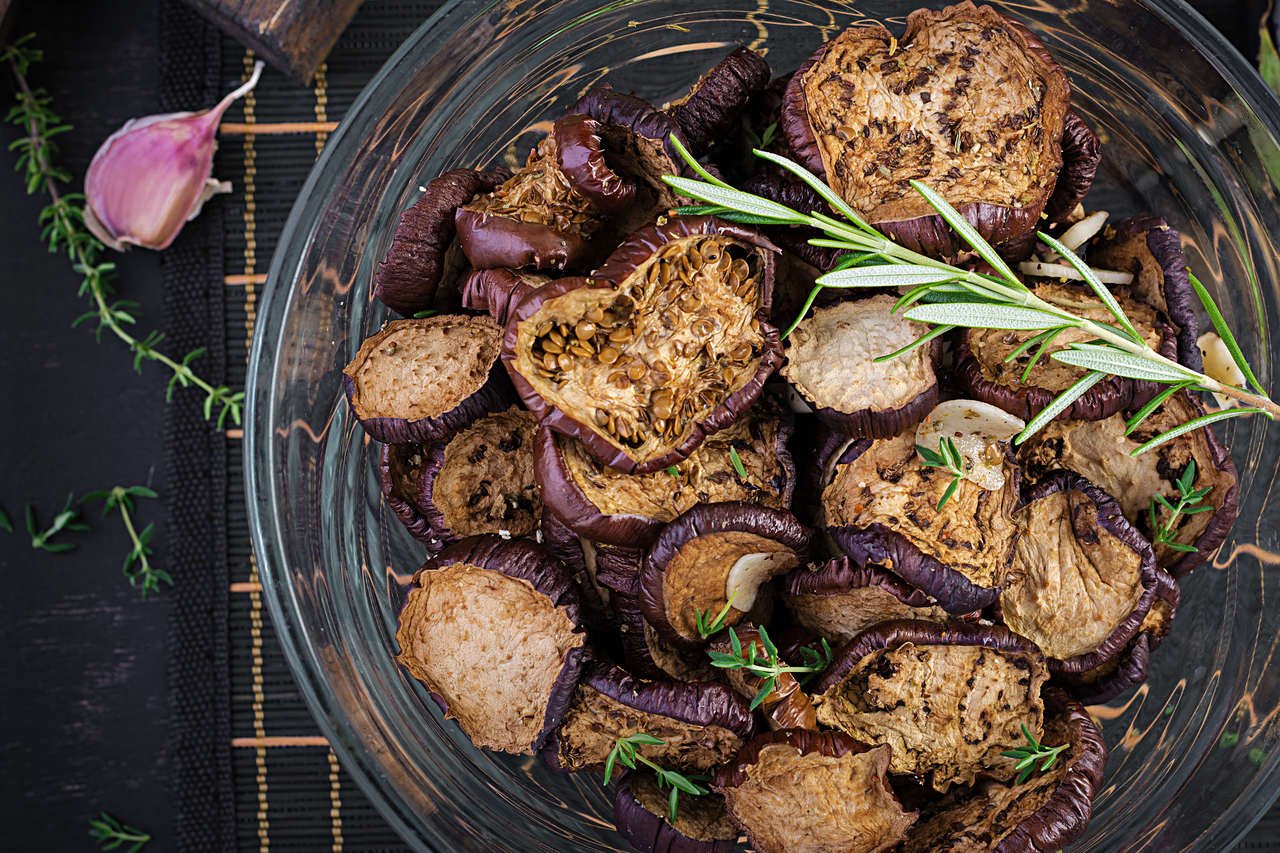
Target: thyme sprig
[(63, 229), (767, 664), (67, 520), (705, 624), (947, 297), (1031, 754), (626, 752), (111, 834), (1189, 503), (947, 457), (137, 563)]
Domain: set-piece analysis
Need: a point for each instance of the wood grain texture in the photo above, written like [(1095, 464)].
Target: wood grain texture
[(292, 35)]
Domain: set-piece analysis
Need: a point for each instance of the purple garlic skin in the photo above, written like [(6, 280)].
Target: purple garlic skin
[(153, 175)]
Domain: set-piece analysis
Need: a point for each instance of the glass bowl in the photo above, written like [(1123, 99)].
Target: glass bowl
[(1188, 128)]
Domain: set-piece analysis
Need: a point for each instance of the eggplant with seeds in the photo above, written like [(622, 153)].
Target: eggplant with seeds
[(986, 371), (1101, 453), (1083, 578), (424, 255), (497, 291), (716, 102), (967, 101), (629, 509), (641, 811), (979, 684), (1129, 668), (492, 627), (839, 599), (1147, 247), (879, 504), (536, 218), (1081, 154), (716, 556), (423, 380), (481, 480), (669, 343), (1047, 812), (399, 474), (801, 791), (831, 363), (701, 725), (785, 705)]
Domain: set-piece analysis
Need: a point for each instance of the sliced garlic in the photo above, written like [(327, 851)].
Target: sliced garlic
[(752, 571), (1219, 365), (1041, 269), (981, 433)]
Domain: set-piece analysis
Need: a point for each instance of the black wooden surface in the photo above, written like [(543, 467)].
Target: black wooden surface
[(83, 662)]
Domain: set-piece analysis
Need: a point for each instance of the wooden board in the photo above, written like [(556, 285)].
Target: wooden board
[(292, 35)]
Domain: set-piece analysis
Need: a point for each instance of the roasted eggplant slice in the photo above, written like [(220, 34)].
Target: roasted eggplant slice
[(831, 363), (880, 504), (716, 102), (1100, 452), (423, 380), (701, 725), (712, 556), (1081, 154), (1108, 680), (608, 106), (629, 509), (948, 698), (481, 480), (497, 291), (785, 705), (536, 218), (492, 627), (1047, 812), (641, 811), (1147, 247), (1083, 578), (667, 345), (967, 101), (423, 254), (399, 474), (800, 791), (581, 156), (839, 599), (648, 655), (984, 369), (579, 558)]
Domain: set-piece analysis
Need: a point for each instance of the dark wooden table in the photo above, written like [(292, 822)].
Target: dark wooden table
[(84, 718)]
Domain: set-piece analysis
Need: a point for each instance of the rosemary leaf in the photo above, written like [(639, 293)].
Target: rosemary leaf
[(885, 276), (829, 195), (1154, 403), (1194, 424), (1224, 331), (1091, 278), (967, 232), (935, 332), (1119, 363), (1059, 405), (983, 315), (694, 164), (770, 211)]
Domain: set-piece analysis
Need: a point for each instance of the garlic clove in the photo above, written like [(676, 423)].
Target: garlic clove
[(981, 433), (1219, 365), (152, 175)]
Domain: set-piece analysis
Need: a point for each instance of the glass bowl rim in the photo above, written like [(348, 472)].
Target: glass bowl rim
[(282, 603)]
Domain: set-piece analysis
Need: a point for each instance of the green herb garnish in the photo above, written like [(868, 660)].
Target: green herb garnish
[(626, 752), (947, 297), (137, 563), (1031, 754), (768, 665), (705, 626), (673, 471), (948, 458), (1189, 499), (6, 523), (736, 461), (111, 834), (65, 521)]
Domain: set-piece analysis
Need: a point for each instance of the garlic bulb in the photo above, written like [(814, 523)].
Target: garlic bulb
[(152, 175)]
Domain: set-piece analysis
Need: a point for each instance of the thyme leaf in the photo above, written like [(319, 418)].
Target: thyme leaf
[(764, 662), (137, 563), (708, 626), (626, 751), (1033, 754), (1189, 503), (111, 834), (67, 520), (947, 458)]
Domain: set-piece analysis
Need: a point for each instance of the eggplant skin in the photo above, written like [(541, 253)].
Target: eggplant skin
[(581, 157), (609, 106), (701, 704), (832, 744), (840, 574), (1081, 154), (717, 101), (653, 833), (1152, 250), (391, 464), (498, 290), (415, 265), (500, 241)]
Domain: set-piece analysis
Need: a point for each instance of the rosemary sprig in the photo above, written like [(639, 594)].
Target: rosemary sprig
[(707, 626), (626, 752), (63, 229), (137, 563), (948, 458), (111, 834), (1031, 754), (1189, 499), (767, 664), (65, 521), (945, 296)]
